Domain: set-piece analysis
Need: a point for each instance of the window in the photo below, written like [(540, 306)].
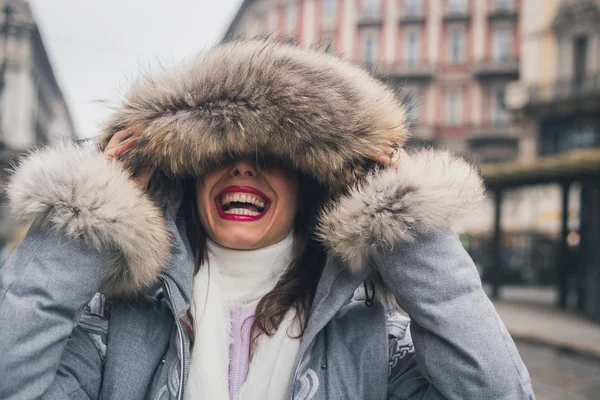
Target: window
[(501, 43), (560, 135), (412, 46), (457, 6), (453, 105), (580, 47), (502, 4), (291, 17), (370, 50), (413, 7), (456, 46), (329, 8), (500, 115), (370, 7)]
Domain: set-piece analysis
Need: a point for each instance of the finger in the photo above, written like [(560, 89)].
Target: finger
[(119, 137), (122, 136), (382, 155), (120, 148)]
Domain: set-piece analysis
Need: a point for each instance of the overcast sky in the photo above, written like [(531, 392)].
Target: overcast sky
[(98, 47)]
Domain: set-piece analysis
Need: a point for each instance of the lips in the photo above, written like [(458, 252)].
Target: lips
[(242, 203)]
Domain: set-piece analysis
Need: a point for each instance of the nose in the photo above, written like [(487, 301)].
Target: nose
[(243, 168)]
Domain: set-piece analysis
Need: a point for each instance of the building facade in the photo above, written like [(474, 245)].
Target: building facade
[(455, 57), (33, 110), (556, 104), (558, 95)]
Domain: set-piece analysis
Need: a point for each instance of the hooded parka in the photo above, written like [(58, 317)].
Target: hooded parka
[(91, 302)]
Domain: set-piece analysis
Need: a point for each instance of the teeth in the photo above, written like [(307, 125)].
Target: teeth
[(242, 198), (242, 211)]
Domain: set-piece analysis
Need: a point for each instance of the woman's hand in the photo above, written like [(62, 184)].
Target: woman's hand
[(121, 142), (387, 155)]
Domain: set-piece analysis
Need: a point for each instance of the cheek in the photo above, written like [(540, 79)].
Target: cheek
[(203, 202), (287, 194)]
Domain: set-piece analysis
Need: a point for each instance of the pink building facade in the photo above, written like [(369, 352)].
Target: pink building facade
[(455, 57)]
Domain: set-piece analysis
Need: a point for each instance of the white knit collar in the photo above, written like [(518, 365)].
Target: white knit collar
[(245, 276)]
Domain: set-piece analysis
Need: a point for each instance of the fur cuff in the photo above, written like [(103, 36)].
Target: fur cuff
[(429, 191), (81, 193)]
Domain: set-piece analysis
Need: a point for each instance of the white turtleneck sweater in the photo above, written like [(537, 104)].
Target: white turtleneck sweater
[(226, 292), (245, 276)]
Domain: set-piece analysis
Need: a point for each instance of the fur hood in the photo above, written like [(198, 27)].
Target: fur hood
[(316, 112)]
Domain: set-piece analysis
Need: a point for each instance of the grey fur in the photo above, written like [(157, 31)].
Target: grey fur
[(82, 194), (318, 112), (429, 190)]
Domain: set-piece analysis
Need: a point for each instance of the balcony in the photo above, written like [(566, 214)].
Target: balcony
[(496, 151), (417, 70), (561, 98), (411, 15), (500, 11), (493, 131), (507, 68), (566, 90), (368, 18), (495, 142), (457, 12)]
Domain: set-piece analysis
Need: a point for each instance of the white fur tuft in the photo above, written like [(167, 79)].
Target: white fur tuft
[(429, 191), (81, 193)]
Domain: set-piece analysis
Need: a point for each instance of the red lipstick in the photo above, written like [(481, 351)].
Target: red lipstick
[(239, 217)]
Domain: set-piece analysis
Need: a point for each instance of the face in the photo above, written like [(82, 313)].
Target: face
[(245, 208)]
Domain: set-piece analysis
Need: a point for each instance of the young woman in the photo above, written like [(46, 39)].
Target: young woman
[(250, 229)]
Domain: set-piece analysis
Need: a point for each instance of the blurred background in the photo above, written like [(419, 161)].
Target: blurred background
[(511, 84)]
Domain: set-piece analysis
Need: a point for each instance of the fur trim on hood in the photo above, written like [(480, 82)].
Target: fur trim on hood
[(82, 194), (311, 109), (318, 113)]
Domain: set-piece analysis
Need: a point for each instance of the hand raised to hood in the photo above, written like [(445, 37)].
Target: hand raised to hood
[(387, 155), (122, 142)]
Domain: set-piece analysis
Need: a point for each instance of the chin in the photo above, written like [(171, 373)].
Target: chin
[(237, 238)]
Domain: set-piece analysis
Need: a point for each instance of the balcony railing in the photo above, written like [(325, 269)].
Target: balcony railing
[(500, 11), (565, 90), (407, 70), (370, 18), (411, 15), (457, 12), (498, 130), (504, 67)]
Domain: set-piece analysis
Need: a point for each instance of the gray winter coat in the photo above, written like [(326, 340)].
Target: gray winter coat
[(95, 232)]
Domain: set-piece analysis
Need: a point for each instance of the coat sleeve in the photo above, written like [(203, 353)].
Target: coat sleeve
[(44, 287), (462, 349), (95, 231)]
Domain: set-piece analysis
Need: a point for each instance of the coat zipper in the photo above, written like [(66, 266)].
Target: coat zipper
[(182, 355)]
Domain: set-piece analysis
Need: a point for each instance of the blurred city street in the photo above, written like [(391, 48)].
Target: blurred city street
[(561, 350), (560, 375)]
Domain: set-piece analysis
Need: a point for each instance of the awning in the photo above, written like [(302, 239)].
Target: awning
[(566, 167)]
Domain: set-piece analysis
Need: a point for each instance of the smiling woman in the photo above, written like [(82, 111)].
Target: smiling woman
[(253, 226), (245, 207)]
